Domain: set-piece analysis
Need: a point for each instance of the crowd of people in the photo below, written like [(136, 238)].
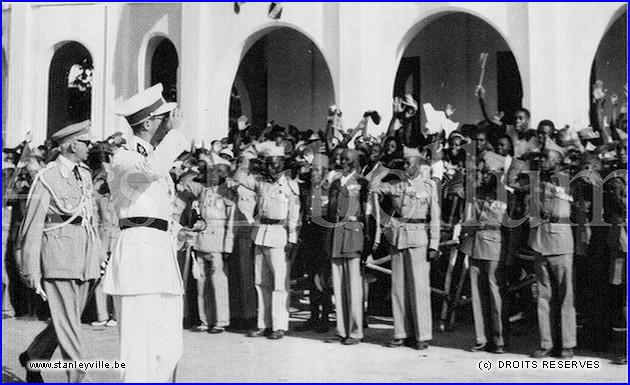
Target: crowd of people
[(266, 205)]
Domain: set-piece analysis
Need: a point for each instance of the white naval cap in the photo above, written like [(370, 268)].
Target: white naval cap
[(144, 105)]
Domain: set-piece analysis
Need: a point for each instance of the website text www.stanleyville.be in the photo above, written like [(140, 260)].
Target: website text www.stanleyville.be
[(81, 365)]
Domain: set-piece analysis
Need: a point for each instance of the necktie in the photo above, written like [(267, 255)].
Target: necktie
[(77, 174), (142, 150)]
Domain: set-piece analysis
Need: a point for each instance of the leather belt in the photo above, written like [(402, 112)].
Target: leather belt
[(267, 221), (415, 220), (350, 218), (63, 218), (154, 223)]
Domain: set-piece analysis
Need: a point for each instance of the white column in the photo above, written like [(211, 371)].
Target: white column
[(194, 71), (21, 69)]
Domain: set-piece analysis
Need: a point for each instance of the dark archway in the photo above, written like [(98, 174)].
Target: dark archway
[(283, 78), (69, 86), (610, 65), (164, 64), (441, 66)]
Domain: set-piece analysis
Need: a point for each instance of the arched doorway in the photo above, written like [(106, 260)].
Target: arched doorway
[(69, 86), (5, 96), (162, 66), (441, 65), (283, 78), (610, 65)]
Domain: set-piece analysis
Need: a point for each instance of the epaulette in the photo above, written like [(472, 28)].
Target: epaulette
[(46, 169)]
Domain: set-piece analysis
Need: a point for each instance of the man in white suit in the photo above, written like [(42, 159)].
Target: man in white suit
[(143, 275)]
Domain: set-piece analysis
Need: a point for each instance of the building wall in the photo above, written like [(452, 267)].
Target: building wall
[(554, 45)]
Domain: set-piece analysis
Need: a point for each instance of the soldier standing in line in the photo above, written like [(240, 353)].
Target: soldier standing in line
[(485, 246), (551, 237), (314, 234), (346, 212), (279, 211), (214, 243), (416, 207), (60, 248)]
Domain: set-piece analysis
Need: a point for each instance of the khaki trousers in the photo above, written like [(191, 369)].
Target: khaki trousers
[(411, 294), (66, 300), (348, 290), (556, 313), (271, 278), (213, 298)]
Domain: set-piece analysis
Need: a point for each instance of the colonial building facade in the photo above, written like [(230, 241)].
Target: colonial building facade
[(287, 63)]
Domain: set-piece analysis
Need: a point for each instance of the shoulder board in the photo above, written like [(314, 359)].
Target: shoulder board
[(50, 166)]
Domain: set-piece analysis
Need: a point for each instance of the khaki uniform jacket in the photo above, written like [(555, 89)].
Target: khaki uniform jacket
[(554, 235), (278, 200), (49, 248), (486, 243), (415, 199), (217, 209), (346, 209)]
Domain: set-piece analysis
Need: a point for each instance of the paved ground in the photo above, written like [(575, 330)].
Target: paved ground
[(304, 357)]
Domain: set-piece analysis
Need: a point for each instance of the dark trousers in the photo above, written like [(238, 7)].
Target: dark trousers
[(556, 313), (486, 301), (66, 299)]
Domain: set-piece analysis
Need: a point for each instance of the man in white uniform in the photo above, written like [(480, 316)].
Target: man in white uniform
[(143, 275)]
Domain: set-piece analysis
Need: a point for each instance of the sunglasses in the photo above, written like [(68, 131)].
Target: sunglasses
[(84, 141)]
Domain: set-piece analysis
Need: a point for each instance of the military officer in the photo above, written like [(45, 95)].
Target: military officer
[(551, 237), (60, 248), (278, 215), (214, 243), (346, 211), (314, 234), (484, 244), (143, 274), (414, 233)]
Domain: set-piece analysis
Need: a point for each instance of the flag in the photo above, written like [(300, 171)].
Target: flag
[(237, 7), (275, 10)]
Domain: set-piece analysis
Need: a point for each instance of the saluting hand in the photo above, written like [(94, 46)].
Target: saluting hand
[(177, 119)]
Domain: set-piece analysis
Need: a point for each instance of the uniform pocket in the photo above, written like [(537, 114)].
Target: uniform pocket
[(352, 237)]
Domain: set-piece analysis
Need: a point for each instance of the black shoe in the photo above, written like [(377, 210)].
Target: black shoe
[(478, 348), (334, 339), (499, 349), (566, 354), (31, 376), (276, 335), (541, 353), (216, 330), (259, 333), (396, 343), (420, 345), (351, 341)]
